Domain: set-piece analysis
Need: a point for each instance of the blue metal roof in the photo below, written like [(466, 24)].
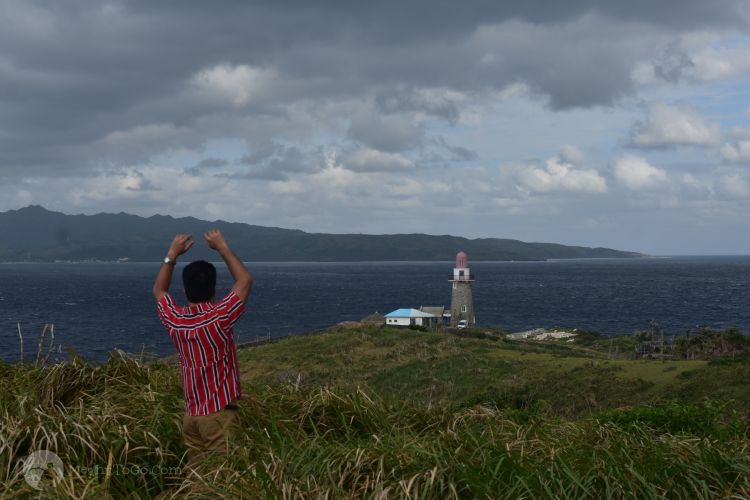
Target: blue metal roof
[(409, 313)]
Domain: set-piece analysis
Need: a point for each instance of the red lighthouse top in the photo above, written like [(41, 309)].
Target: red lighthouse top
[(461, 260)]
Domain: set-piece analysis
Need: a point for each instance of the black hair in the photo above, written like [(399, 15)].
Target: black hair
[(199, 279)]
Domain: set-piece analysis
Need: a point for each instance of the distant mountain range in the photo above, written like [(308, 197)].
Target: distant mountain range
[(36, 234)]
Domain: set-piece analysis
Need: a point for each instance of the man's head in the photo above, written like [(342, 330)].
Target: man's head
[(199, 279)]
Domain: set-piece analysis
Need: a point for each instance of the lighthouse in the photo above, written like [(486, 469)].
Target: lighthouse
[(462, 302)]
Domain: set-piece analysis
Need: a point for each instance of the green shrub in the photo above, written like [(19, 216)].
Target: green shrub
[(712, 344)]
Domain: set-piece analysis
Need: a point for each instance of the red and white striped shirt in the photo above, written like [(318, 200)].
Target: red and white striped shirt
[(203, 336)]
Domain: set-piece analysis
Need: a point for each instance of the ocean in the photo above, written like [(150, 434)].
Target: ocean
[(97, 307)]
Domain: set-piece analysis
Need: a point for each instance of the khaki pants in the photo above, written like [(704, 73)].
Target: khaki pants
[(207, 434)]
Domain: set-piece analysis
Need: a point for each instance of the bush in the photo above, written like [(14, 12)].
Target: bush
[(711, 344)]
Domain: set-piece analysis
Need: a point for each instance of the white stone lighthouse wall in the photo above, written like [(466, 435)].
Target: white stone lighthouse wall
[(462, 297)]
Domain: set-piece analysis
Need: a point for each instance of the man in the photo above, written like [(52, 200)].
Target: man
[(202, 334)]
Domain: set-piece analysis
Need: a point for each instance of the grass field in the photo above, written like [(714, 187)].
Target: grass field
[(443, 369), (368, 412)]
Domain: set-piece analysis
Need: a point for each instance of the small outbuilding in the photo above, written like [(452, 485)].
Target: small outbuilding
[(443, 315), (374, 319), (410, 317)]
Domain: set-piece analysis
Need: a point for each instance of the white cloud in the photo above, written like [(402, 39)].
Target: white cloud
[(557, 175), (644, 73), (739, 150), (570, 154), (719, 63), (144, 185), (372, 160), (427, 101), (733, 185), (291, 186), (334, 187), (637, 174), (695, 57), (673, 125), (238, 85)]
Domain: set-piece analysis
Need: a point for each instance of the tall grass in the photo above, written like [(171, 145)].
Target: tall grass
[(116, 428)]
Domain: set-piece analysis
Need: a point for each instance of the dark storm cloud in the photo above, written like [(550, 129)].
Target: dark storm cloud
[(83, 83)]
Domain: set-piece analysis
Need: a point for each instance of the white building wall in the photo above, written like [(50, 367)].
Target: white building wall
[(398, 321), (456, 273)]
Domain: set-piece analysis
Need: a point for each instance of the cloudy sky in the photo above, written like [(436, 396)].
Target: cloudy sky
[(607, 123)]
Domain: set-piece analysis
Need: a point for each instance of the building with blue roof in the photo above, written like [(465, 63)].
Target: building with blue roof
[(410, 317)]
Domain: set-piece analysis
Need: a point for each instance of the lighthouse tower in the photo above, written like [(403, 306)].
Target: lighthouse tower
[(462, 303)]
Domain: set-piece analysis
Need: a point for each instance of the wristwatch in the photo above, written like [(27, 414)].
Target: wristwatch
[(169, 261)]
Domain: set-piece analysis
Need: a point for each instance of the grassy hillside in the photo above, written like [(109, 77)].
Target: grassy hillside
[(567, 378), (374, 413)]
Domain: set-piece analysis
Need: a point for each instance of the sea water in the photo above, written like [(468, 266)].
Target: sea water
[(97, 307)]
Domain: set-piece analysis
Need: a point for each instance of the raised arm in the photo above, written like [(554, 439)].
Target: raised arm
[(243, 281), (181, 244)]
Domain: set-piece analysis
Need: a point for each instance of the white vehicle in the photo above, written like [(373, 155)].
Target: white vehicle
[(462, 324)]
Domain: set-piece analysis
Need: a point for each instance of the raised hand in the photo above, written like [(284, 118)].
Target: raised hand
[(181, 244), (243, 281), (216, 240)]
